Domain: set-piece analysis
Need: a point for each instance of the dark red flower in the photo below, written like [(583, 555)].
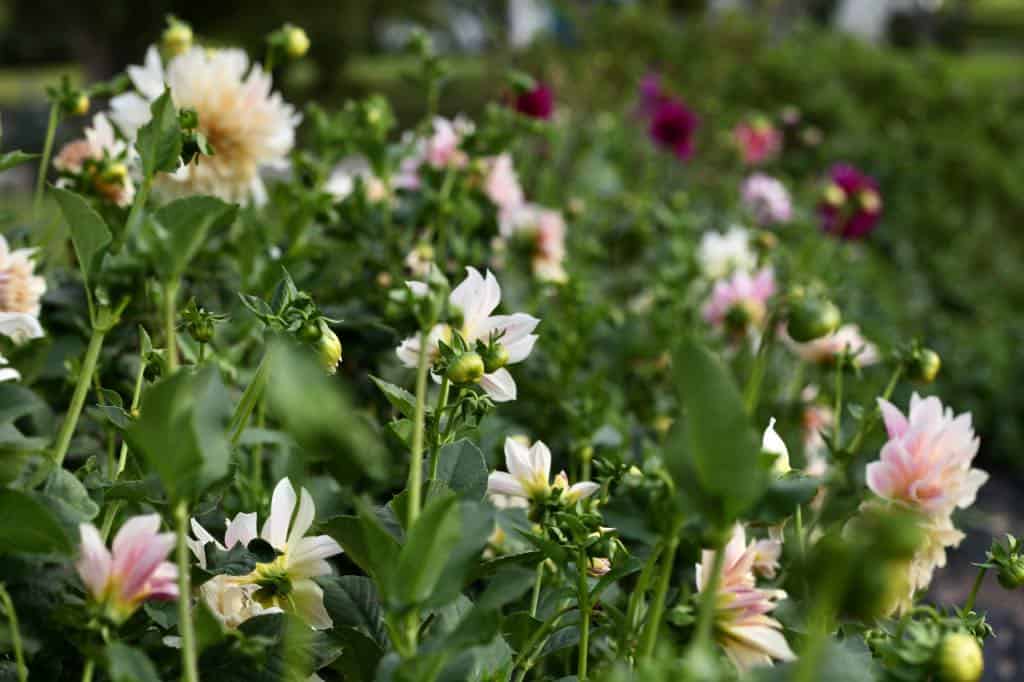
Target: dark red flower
[(673, 126), (851, 203), (536, 103)]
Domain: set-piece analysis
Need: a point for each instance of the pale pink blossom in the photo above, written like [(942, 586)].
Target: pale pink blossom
[(529, 472), (826, 349), (722, 253), (136, 570), (476, 297), (926, 463), (442, 149), (546, 229), (767, 199), (743, 628), (502, 184), (742, 291), (759, 141)]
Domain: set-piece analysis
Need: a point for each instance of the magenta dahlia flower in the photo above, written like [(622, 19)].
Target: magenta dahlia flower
[(536, 103), (851, 203), (673, 126)]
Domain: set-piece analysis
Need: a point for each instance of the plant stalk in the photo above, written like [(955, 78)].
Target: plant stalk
[(247, 403), (67, 427), (709, 600), (170, 324), (416, 458), (435, 450), (969, 604), (583, 599), (44, 160), (12, 621), (650, 638), (753, 388), (189, 662)]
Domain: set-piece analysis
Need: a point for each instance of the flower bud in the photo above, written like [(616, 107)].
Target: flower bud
[(924, 365), (598, 566), (468, 368), (80, 105), (311, 331), (1011, 573), (329, 349), (495, 357), (177, 37), (738, 318), (811, 318), (959, 658), (296, 42)]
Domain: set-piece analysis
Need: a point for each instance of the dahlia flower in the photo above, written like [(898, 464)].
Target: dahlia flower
[(536, 103), (926, 463), (741, 299), (673, 126), (651, 94), (101, 156), (502, 185), (476, 298), (758, 141), (20, 287), (745, 632), (249, 127), (439, 151), (773, 444), (767, 199), (286, 583), (19, 327), (720, 253), (343, 178), (546, 227), (529, 471), (133, 572), (851, 204), (826, 349)]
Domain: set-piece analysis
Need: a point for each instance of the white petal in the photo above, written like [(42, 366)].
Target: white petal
[(282, 505), (242, 529), (20, 327), (581, 490), (501, 483), (313, 548), (303, 519), (499, 385), (521, 349), (308, 599), (518, 461), (540, 461)]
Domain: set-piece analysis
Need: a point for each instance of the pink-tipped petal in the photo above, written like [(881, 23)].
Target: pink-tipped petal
[(94, 561)]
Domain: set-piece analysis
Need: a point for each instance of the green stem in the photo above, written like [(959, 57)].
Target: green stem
[(44, 160), (435, 450), (12, 621), (170, 324), (867, 425), (583, 599), (87, 671), (969, 604), (249, 399), (535, 599), (416, 457), (650, 638), (753, 388), (639, 592), (527, 654), (189, 662), (820, 624), (67, 427), (709, 600), (837, 436), (134, 216)]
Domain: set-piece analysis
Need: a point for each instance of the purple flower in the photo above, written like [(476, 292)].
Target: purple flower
[(673, 126), (536, 103), (850, 204), (651, 94)]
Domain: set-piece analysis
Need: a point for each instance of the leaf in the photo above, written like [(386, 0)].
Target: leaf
[(239, 560), (400, 399), (65, 492), (506, 586), (783, 496), (715, 440), (462, 467), (89, 233), (426, 551), (182, 431), (463, 561), (352, 602), (29, 526), (159, 140), (367, 543), (128, 664), (15, 158), (185, 225), (360, 654)]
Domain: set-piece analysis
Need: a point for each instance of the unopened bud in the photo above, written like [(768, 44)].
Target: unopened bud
[(80, 105), (296, 42), (812, 318), (959, 658), (1011, 573), (468, 368), (598, 566), (329, 349), (495, 358), (177, 37), (924, 365)]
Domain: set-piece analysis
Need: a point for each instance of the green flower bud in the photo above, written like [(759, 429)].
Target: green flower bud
[(1011, 573), (177, 37), (959, 658), (296, 42), (495, 358), (738, 318), (80, 105), (812, 318), (466, 369), (924, 365), (311, 331), (329, 349)]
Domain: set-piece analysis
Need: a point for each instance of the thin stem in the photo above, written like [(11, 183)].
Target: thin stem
[(67, 427), (12, 621), (837, 436), (868, 424), (435, 450), (87, 671), (416, 457), (170, 324), (650, 638), (527, 654), (134, 216), (639, 591), (44, 160), (709, 600), (535, 599), (972, 597), (753, 388), (122, 460), (249, 399), (189, 663), (583, 599)]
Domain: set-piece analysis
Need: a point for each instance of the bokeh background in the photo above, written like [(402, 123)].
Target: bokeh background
[(927, 95)]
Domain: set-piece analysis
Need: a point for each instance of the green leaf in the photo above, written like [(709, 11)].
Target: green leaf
[(185, 225), (128, 664), (159, 141), (89, 233), (29, 526), (782, 497), (239, 560), (352, 602), (367, 543), (714, 441), (426, 550), (463, 561), (462, 467), (15, 158), (400, 399), (181, 431), (360, 654), (70, 498)]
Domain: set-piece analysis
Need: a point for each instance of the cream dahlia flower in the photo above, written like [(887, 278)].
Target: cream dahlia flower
[(529, 473), (825, 350), (721, 253), (20, 287), (249, 127)]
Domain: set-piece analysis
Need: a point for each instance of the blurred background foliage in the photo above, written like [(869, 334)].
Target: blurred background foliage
[(935, 117)]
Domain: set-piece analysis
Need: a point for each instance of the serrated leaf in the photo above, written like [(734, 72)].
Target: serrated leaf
[(400, 399), (426, 551), (89, 233), (159, 140), (128, 664), (462, 467), (29, 526), (15, 158)]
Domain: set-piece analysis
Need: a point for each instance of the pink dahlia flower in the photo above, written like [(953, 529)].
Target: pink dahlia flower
[(759, 141), (673, 126), (767, 198), (742, 295)]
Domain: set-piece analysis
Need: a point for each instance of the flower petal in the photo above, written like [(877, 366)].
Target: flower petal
[(499, 385), (501, 483), (242, 529), (282, 505), (94, 560), (303, 518), (308, 599)]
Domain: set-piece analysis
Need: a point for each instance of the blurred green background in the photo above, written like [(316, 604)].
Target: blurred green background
[(935, 113)]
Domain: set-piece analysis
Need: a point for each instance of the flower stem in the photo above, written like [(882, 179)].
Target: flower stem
[(969, 604), (868, 424), (110, 512), (753, 388), (535, 599), (90, 665), (837, 436), (709, 600), (583, 599), (170, 324), (416, 457), (650, 638), (67, 427), (527, 654), (639, 591), (248, 401), (44, 160), (134, 216), (435, 450), (12, 620), (189, 663)]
